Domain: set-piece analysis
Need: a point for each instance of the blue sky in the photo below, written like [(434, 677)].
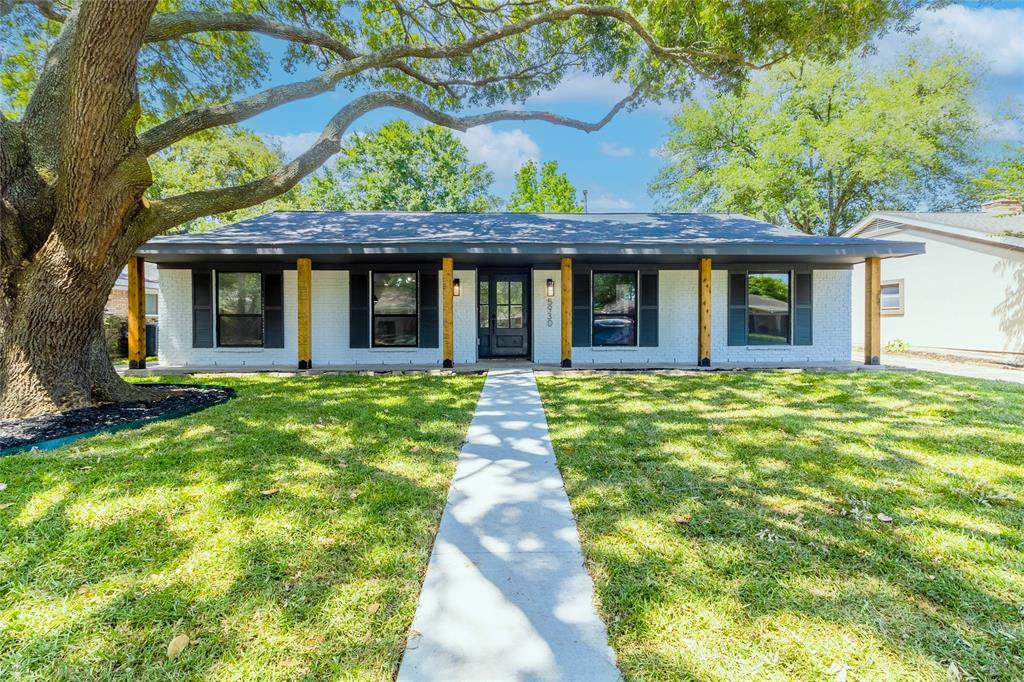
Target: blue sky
[(617, 163)]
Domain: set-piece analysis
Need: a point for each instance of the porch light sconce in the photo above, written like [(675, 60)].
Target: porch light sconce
[(551, 288), (457, 287)]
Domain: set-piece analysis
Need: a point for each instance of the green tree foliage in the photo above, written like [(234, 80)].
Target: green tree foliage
[(403, 168), (214, 158), (768, 286), (1004, 180), (550, 192), (817, 146)]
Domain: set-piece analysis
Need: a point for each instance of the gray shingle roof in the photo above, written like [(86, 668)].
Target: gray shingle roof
[(313, 232), (975, 221)]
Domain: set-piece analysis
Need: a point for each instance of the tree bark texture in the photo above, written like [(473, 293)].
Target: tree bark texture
[(71, 183)]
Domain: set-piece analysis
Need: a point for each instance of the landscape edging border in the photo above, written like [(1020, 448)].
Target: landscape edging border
[(54, 443)]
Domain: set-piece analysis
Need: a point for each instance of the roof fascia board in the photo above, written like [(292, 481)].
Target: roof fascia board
[(857, 249)]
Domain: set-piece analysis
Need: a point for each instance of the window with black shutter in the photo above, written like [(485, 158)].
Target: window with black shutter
[(395, 311), (240, 309)]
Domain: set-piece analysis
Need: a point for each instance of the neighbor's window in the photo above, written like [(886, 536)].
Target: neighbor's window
[(892, 297), (614, 296), (394, 309), (239, 309), (767, 308), (151, 304)]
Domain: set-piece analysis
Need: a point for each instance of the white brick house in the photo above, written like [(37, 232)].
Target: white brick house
[(323, 289)]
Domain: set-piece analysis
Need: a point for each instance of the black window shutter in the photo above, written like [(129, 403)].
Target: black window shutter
[(648, 308), (202, 309), (803, 305), (581, 311), (429, 325), (359, 310), (737, 309), (273, 310)]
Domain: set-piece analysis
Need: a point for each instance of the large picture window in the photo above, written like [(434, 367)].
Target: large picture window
[(768, 309), (395, 318), (614, 308), (239, 309)]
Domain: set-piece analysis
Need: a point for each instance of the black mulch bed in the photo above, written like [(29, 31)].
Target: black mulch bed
[(180, 400)]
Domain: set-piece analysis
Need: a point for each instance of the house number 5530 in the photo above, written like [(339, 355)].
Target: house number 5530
[(551, 305)]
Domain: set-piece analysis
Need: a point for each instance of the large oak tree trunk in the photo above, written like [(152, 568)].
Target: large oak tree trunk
[(71, 184), (52, 351)]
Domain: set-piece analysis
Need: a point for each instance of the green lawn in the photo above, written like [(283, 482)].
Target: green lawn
[(114, 545), (731, 522)]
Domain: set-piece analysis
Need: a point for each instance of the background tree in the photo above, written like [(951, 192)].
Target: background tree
[(1005, 179), (402, 168), (551, 192), (817, 146), (214, 158), (104, 86)]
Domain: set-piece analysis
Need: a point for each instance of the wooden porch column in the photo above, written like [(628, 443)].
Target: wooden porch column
[(872, 311), (448, 311), (304, 268), (566, 312), (704, 313), (136, 313)]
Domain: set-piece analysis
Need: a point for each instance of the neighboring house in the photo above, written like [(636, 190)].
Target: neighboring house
[(965, 293), (117, 302), (117, 306), (327, 289)]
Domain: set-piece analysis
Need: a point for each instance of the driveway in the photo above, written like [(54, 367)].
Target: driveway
[(960, 369)]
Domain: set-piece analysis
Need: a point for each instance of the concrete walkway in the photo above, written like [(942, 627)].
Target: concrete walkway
[(506, 596)]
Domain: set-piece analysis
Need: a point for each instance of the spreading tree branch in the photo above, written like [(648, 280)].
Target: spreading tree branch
[(167, 213), (175, 25), (48, 8)]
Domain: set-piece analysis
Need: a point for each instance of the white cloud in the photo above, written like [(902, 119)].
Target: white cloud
[(615, 151), (1002, 125), (606, 202), (291, 145), (583, 87), (996, 33), (503, 151)]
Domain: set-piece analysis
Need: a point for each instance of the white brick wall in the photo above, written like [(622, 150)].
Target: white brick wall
[(175, 348), (547, 337), (330, 331), (677, 326), (830, 328), (466, 346)]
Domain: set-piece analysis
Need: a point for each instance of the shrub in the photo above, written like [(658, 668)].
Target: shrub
[(897, 346), (115, 334)]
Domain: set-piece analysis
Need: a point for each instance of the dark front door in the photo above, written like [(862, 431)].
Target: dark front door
[(503, 315)]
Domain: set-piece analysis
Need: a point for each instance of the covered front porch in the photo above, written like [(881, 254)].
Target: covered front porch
[(542, 314)]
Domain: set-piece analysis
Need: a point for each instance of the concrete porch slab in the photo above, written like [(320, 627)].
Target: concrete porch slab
[(155, 369)]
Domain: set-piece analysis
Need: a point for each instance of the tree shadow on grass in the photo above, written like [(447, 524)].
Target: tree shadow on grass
[(777, 564), (285, 532)]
